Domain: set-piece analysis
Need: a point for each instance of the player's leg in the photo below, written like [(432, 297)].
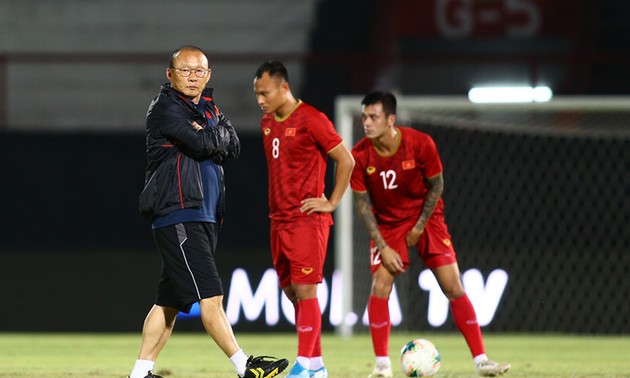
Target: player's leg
[(281, 247), (316, 362), (158, 326), (308, 321), (159, 322), (378, 303), (217, 325), (380, 324), (448, 277), (317, 369), (198, 247), (438, 254), (195, 278), (198, 250), (443, 263), (306, 250)]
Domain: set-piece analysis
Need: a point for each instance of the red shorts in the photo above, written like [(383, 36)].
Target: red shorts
[(434, 247), (298, 254)]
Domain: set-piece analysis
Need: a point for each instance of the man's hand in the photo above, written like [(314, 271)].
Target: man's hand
[(314, 204), (413, 236), (391, 260), (196, 126)]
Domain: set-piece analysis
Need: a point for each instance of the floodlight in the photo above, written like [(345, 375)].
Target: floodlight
[(509, 94)]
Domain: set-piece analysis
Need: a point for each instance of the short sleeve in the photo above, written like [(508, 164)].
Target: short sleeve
[(430, 163), (324, 132), (357, 180)]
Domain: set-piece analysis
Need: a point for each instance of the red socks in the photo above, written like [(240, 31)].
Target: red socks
[(378, 313), (463, 314), (308, 324), (466, 320)]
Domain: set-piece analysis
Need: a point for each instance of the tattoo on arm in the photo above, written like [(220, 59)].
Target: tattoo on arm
[(436, 186), (363, 205)]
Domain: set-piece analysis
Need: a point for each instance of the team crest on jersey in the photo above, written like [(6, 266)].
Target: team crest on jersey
[(447, 242), (370, 170), (267, 131), (408, 164), (290, 131)]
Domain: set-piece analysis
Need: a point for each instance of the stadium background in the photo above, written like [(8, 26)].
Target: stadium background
[(76, 78)]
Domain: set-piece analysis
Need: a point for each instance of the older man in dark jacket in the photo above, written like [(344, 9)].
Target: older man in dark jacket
[(188, 139)]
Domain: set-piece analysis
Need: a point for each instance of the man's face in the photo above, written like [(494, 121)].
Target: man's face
[(375, 122), (271, 92), (193, 63)]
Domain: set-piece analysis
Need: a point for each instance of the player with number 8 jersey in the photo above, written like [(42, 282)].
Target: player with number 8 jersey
[(296, 148), (298, 139)]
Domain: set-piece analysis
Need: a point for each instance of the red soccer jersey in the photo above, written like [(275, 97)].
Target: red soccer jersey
[(396, 183), (296, 148)]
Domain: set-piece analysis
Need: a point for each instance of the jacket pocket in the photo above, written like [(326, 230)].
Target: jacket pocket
[(175, 184), (148, 197), (157, 190)]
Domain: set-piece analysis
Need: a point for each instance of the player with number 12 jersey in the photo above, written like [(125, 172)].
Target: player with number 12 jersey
[(396, 183)]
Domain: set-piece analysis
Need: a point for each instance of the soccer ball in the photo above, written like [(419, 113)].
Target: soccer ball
[(420, 358)]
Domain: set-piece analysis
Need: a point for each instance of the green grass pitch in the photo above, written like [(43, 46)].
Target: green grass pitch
[(189, 355)]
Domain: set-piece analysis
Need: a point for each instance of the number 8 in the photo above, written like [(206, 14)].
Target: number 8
[(275, 152)]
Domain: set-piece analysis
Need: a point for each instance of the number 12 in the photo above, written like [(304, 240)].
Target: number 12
[(389, 179)]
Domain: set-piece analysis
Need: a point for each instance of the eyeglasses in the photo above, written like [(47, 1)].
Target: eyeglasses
[(185, 72)]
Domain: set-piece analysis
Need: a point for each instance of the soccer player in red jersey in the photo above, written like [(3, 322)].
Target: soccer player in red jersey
[(297, 139), (397, 186)]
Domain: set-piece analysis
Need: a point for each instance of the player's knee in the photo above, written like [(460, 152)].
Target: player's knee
[(453, 291), (304, 292), (381, 289), (211, 304)]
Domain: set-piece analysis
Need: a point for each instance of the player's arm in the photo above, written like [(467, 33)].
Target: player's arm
[(174, 123), (435, 184), (233, 149), (344, 165), (390, 259)]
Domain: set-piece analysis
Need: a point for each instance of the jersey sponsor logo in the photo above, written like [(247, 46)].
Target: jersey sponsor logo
[(408, 164), (370, 170), (290, 131), (304, 329), (307, 271), (447, 242), (267, 131)]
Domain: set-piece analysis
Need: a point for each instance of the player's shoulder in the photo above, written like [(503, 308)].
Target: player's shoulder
[(406, 130), (266, 119), (306, 107), (166, 105), (361, 150), (361, 145), (414, 135), (311, 111)]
